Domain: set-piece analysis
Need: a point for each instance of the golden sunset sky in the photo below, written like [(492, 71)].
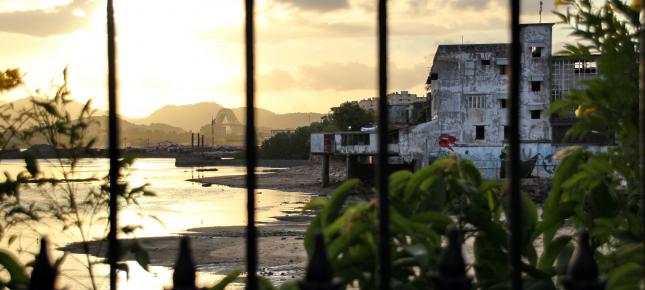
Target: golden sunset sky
[(311, 54)]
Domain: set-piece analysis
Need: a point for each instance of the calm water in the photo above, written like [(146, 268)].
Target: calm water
[(179, 205)]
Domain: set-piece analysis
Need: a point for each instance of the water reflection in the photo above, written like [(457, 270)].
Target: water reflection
[(178, 206)]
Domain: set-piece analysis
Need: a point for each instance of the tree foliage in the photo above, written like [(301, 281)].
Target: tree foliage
[(349, 116), (296, 144)]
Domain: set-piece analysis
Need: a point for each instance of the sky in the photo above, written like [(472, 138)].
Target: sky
[(311, 54)]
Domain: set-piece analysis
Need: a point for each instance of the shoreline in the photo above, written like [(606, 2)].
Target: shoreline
[(221, 249), (304, 178)]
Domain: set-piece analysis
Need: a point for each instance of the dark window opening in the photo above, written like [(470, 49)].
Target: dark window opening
[(507, 132), (485, 61), (536, 114), (434, 76), (536, 51), (536, 86), (502, 103), (354, 139), (502, 69), (479, 132)]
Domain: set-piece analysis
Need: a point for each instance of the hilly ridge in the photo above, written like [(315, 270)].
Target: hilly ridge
[(175, 122), (194, 116)]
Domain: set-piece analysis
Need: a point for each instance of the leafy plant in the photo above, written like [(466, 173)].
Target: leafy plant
[(423, 205), (599, 190), (73, 209)]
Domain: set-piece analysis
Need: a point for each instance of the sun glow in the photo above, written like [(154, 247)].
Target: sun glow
[(171, 52)]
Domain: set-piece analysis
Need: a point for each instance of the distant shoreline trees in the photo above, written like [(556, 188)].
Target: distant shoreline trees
[(348, 116)]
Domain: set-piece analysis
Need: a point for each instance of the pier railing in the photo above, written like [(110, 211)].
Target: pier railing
[(451, 273)]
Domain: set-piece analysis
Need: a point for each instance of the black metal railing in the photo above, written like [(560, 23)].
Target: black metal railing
[(583, 271)]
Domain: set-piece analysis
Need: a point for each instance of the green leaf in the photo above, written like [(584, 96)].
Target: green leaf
[(228, 279), (290, 286), (528, 212), (16, 271), (626, 277), (265, 284), (434, 187), (538, 284), (398, 181), (315, 203), (310, 234), (439, 221), (416, 179), (331, 211), (552, 251), (603, 204)]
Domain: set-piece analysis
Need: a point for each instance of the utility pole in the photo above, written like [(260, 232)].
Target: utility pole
[(540, 12)]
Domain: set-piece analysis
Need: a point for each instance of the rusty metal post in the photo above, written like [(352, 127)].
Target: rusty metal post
[(452, 268), (325, 170), (319, 272), (183, 278), (583, 269), (43, 277)]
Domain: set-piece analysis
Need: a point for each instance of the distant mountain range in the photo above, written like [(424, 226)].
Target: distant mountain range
[(194, 116), (174, 123)]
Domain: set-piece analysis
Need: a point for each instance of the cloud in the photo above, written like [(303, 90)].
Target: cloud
[(341, 76), (276, 80), (316, 5), (338, 76), (45, 22), (472, 4), (408, 77)]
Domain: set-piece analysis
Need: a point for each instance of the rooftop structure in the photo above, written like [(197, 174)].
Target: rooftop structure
[(396, 98)]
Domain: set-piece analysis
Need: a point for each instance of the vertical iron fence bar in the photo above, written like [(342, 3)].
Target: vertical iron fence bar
[(384, 203), (113, 247), (251, 233), (642, 121), (514, 140)]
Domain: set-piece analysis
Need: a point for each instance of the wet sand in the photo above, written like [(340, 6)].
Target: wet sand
[(306, 179), (220, 250)]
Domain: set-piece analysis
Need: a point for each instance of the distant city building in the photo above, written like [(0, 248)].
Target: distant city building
[(396, 98)]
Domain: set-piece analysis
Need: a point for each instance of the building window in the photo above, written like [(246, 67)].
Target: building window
[(475, 102), (536, 51), (536, 86), (479, 132), (536, 114), (485, 61), (502, 69), (502, 103), (507, 132)]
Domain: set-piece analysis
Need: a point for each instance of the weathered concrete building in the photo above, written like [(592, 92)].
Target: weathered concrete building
[(468, 90), (468, 87)]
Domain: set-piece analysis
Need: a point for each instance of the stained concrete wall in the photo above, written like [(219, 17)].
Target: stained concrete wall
[(317, 143), (461, 74)]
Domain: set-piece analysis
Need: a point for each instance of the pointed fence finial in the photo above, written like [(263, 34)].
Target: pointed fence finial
[(184, 276), (583, 270), (43, 277), (319, 272), (452, 268)]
